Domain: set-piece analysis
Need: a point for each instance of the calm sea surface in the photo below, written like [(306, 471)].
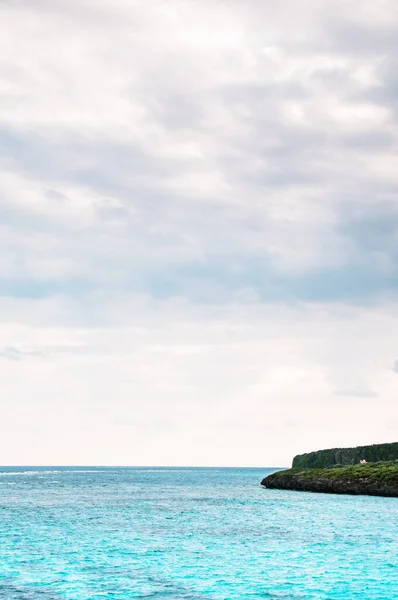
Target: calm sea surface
[(107, 533)]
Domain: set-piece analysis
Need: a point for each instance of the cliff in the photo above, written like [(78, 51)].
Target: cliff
[(375, 479), (346, 456)]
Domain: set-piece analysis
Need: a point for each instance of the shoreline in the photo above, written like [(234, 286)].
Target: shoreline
[(372, 479)]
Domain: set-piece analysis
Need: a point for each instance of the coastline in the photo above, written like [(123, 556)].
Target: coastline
[(372, 479)]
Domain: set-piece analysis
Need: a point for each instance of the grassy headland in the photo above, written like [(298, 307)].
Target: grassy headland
[(346, 456), (374, 479)]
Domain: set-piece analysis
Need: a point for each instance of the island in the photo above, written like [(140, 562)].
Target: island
[(369, 470)]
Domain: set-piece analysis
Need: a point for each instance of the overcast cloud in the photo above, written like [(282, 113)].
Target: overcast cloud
[(198, 229)]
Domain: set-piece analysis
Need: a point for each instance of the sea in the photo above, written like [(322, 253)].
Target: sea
[(188, 533)]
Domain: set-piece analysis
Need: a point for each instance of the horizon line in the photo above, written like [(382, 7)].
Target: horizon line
[(99, 466)]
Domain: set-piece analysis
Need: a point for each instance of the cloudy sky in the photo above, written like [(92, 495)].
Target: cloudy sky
[(198, 230)]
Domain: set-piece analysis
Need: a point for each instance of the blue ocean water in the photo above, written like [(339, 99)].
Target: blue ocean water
[(118, 533)]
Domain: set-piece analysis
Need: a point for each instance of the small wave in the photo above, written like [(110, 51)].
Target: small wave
[(53, 472), (61, 471), (19, 473), (161, 470)]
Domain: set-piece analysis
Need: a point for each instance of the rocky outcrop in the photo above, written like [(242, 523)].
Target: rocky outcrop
[(376, 479)]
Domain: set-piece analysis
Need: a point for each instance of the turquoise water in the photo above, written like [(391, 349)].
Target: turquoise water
[(116, 534)]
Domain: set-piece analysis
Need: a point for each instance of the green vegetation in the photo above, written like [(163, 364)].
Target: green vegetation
[(346, 456), (375, 479)]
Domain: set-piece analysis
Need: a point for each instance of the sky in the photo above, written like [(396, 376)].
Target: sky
[(198, 230)]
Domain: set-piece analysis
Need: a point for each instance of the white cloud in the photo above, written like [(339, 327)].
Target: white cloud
[(191, 195), (231, 384)]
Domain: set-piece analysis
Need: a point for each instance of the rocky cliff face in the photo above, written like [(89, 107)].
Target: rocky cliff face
[(378, 479)]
